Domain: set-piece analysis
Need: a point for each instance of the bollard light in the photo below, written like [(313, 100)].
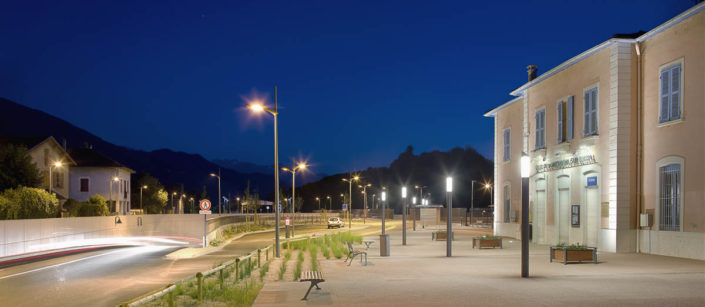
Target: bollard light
[(449, 184), (403, 192), (413, 200), (384, 195)]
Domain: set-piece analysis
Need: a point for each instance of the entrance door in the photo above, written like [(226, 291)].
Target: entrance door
[(592, 199), (563, 215)]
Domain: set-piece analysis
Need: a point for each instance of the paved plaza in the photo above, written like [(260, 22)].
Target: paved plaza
[(419, 274)]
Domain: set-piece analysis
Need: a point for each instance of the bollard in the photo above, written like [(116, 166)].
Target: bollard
[(237, 269), (258, 257), (199, 275), (220, 273), (266, 255), (171, 299), (249, 265)]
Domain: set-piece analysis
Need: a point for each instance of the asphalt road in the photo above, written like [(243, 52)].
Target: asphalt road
[(109, 277)]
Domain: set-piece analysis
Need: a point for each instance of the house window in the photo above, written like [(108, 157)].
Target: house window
[(124, 189), (670, 93), (565, 120), (58, 179), (590, 104), (507, 203), (541, 129), (84, 185), (670, 196), (507, 148)]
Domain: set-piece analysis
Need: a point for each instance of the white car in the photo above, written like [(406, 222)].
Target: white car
[(335, 222)]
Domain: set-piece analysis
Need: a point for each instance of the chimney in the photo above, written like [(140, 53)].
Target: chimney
[(532, 69)]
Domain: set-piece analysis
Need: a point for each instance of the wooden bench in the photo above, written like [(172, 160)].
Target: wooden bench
[(352, 252), (314, 277)]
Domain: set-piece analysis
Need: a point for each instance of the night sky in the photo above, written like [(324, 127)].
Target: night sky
[(358, 82)]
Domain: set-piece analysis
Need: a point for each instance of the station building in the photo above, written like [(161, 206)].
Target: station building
[(616, 139)]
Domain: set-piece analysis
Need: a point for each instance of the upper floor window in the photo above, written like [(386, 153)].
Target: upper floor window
[(565, 120), (670, 196), (590, 103), (670, 93), (84, 183), (541, 129), (507, 147), (58, 179)]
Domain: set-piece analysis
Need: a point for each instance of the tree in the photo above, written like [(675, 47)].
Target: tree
[(154, 197), (299, 203), (27, 203), (17, 168), (250, 202), (204, 194)]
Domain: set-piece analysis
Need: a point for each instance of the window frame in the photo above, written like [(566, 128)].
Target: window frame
[(543, 129), (88, 185), (507, 202), (506, 144), (594, 112), (661, 164), (670, 66)]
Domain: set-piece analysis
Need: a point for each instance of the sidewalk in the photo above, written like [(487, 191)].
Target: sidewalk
[(419, 274)]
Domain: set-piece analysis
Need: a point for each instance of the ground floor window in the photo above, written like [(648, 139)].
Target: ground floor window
[(507, 203), (670, 197)]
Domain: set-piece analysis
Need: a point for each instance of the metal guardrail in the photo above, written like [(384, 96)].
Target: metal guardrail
[(200, 276)]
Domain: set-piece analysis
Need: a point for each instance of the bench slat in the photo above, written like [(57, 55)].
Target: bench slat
[(311, 275)]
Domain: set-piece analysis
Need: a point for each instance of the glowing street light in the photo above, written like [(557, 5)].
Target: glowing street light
[(449, 222), (364, 193), (219, 198), (350, 181), (403, 223), (293, 170), (56, 164), (330, 202), (525, 171), (144, 187), (115, 180), (258, 108)]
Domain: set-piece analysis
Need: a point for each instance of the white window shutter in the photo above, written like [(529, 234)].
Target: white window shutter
[(569, 119), (665, 96), (560, 122), (594, 111), (537, 145), (675, 92), (586, 107)]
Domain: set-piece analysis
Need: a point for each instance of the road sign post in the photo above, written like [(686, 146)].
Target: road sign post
[(205, 206)]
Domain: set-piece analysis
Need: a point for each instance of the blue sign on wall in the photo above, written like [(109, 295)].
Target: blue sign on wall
[(592, 181), (345, 206)]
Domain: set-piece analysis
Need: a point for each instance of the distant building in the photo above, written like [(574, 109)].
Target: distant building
[(94, 173), (45, 151), (615, 140)]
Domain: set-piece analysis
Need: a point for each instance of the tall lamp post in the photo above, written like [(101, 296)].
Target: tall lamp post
[(472, 199), (350, 181), (330, 202), (192, 208), (113, 180), (258, 107), (142, 188), (364, 194), (219, 198), (57, 165), (403, 211), (449, 231), (525, 170), (293, 170), (318, 199)]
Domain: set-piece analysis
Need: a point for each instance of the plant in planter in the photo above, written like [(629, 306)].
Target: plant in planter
[(573, 253), (487, 241), (441, 235)]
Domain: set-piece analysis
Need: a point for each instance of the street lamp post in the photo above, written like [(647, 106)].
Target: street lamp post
[(258, 107), (57, 165), (449, 230), (525, 170), (220, 211), (173, 209), (350, 181), (413, 208), (364, 194), (318, 199), (403, 223), (330, 202), (142, 188), (472, 199), (192, 207), (293, 170)]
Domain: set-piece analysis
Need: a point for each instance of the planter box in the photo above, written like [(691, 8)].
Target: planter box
[(442, 236), (486, 243), (573, 255)]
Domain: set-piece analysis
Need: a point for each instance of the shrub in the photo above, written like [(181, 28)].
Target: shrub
[(27, 203), (95, 206)]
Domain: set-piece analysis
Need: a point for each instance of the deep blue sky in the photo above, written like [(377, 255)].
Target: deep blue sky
[(358, 82)]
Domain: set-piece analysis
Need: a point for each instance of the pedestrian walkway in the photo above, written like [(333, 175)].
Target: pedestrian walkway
[(419, 274)]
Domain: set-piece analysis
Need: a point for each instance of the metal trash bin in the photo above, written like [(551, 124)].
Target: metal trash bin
[(384, 245)]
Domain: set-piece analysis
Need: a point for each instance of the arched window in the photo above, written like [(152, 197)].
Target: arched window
[(670, 187)]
